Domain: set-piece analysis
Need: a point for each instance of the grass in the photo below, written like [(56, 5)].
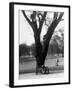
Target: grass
[(29, 64)]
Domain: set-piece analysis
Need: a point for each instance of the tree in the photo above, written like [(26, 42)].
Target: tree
[(32, 48), (59, 39), (36, 21), (23, 50), (62, 41)]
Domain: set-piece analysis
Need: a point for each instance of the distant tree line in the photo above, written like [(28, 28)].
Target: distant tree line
[(30, 50), (23, 49)]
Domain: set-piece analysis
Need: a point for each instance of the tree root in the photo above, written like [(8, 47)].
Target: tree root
[(42, 70)]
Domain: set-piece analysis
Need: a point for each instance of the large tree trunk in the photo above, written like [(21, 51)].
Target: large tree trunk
[(41, 51), (38, 49)]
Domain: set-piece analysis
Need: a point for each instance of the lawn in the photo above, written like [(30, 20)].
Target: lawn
[(28, 64)]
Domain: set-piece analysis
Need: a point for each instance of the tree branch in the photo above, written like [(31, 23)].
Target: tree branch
[(60, 16), (42, 20), (26, 17), (50, 32), (39, 18), (55, 15)]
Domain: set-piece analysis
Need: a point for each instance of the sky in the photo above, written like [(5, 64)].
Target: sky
[(26, 35)]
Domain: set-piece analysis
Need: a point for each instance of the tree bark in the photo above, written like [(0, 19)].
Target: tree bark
[(38, 49)]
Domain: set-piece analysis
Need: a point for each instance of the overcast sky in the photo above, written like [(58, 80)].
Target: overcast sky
[(26, 32)]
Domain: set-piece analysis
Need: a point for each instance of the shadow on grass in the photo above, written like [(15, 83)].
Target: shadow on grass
[(52, 70)]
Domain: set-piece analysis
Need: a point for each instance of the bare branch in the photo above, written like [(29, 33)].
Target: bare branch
[(60, 16), (33, 16), (33, 23), (26, 17), (42, 20), (38, 18), (55, 15)]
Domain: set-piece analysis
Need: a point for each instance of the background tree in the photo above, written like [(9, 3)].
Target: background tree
[(61, 41), (36, 21), (57, 41), (32, 48), (23, 50)]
